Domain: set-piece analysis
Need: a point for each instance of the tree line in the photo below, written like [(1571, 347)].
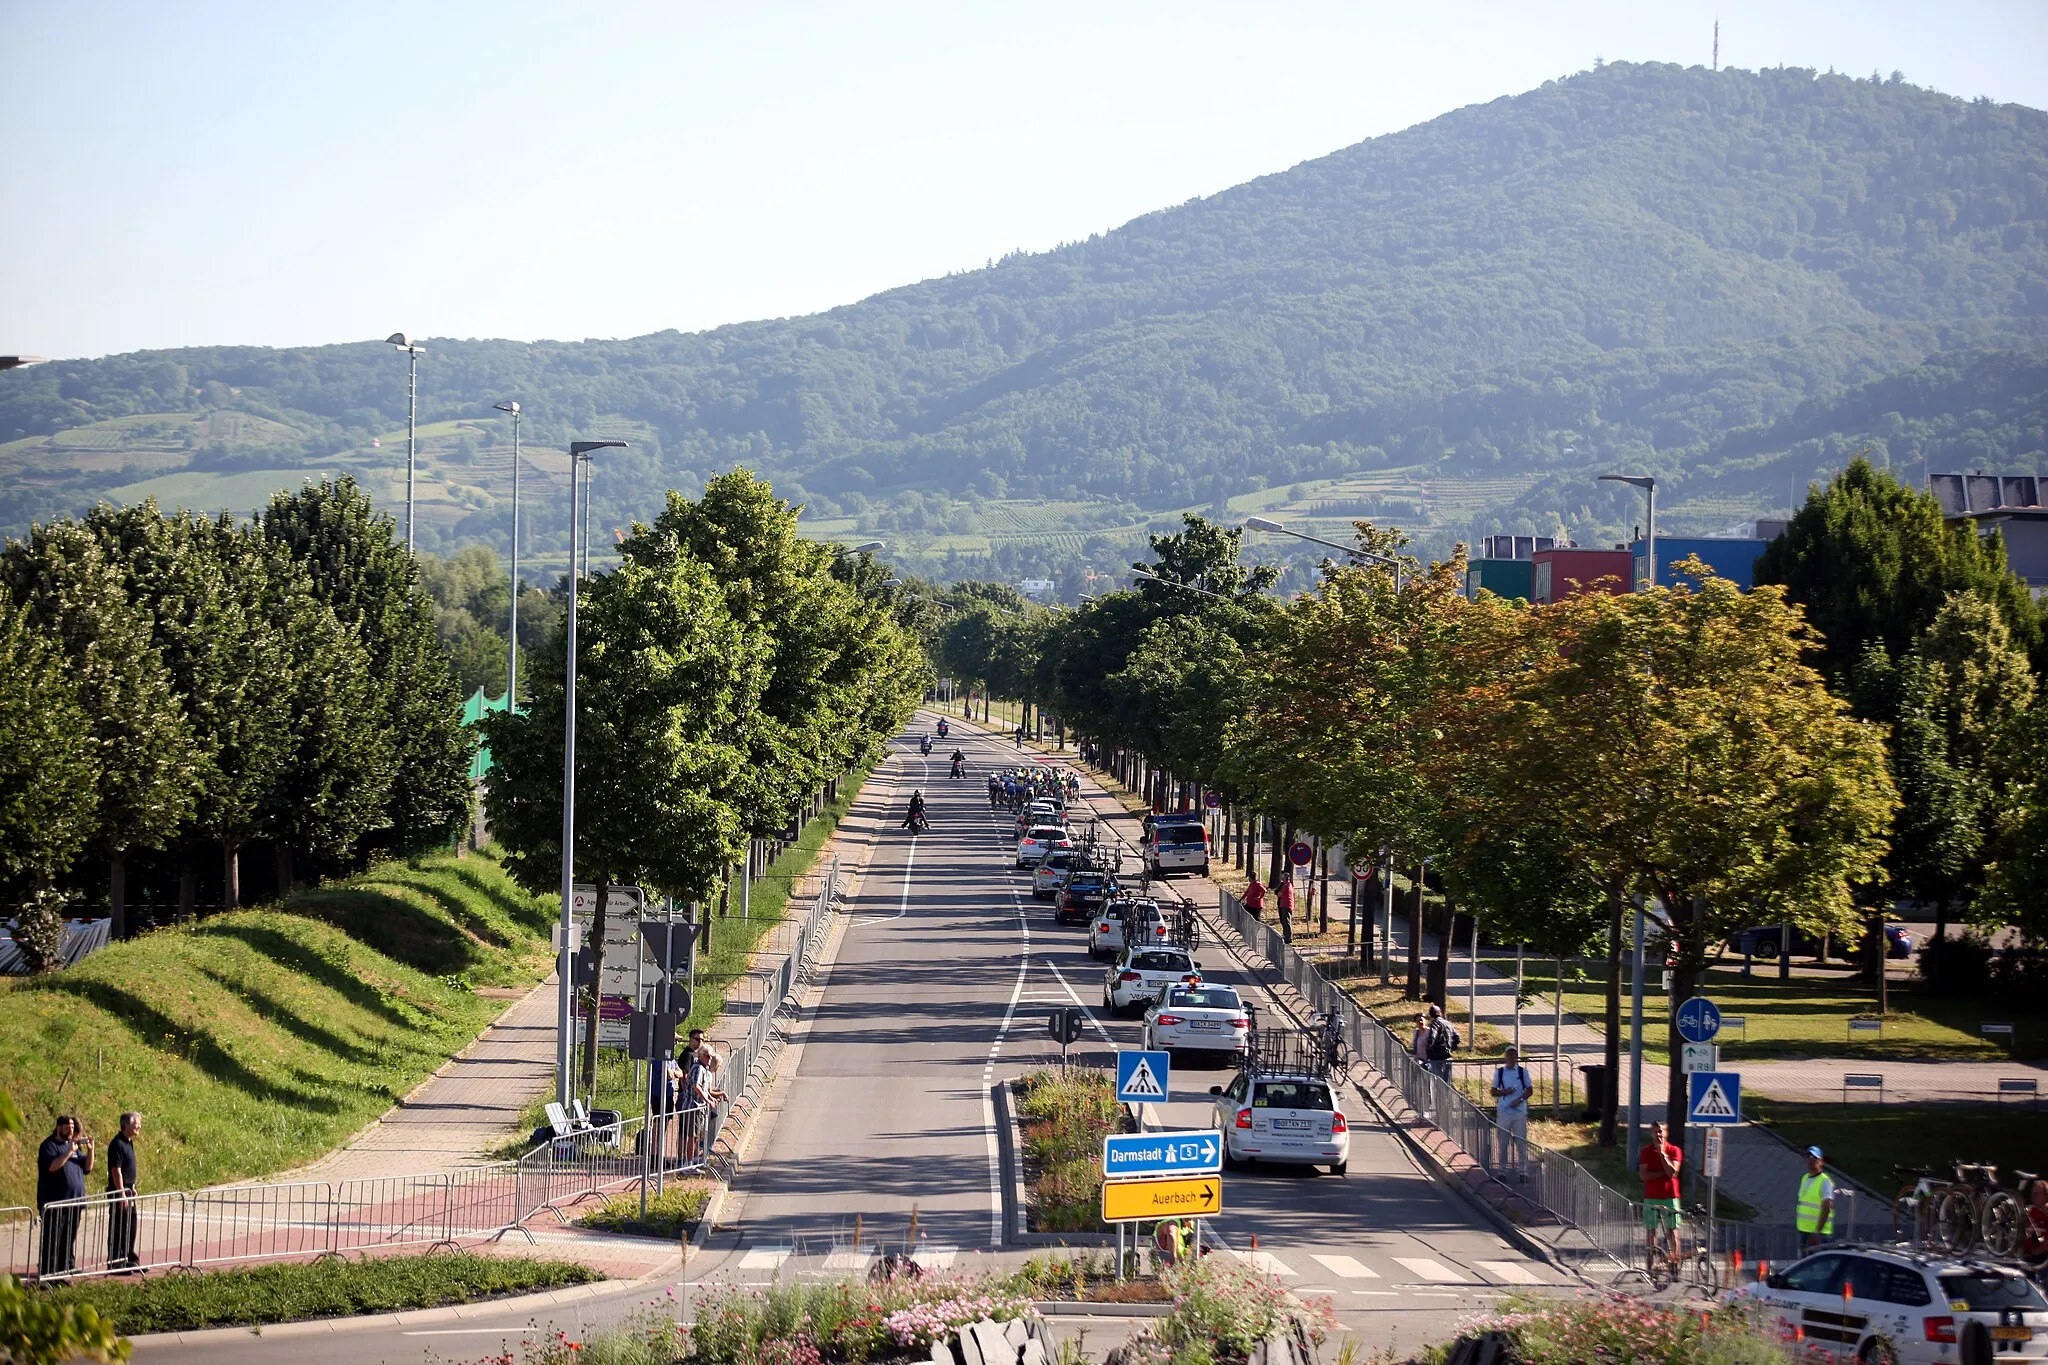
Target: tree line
[(1861, 727), (176, 689)]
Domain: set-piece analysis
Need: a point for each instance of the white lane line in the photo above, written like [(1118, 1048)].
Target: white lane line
[(903, 905), (1266, 1261), (1423, 1268), (1089, 1013), (1349, 1267), (988, 1072), (1509, 1272)]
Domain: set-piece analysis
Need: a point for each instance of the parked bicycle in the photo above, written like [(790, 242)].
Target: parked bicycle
[(1691, 1264), (1329, 1032)]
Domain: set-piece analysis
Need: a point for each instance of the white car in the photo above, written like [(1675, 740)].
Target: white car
[(1122, 924), (1137, 976), (1052, 870), (1204, 1018), (1281, 1117), (1911, 1307), (1040, 840), (1038, 813)]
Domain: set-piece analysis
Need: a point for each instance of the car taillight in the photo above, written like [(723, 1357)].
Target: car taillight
[(1244, 1118), (1102, 928), (1128, 976), (1337, 1124), (1939, 1329), (1169, 1019), (1242, 1021)]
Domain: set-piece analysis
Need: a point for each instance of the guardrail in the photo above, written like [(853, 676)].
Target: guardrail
[(1587, 1219), (104, 1235)]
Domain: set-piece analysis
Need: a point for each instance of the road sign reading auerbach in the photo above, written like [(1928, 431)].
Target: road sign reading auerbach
[(1134, 1201), (1190, 1153)]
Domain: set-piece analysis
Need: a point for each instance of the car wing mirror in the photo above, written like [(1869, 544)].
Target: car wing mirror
[(1774, 1281), (1215, 1089)]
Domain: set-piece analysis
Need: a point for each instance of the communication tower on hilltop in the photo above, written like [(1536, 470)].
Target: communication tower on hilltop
[(1717, 45)]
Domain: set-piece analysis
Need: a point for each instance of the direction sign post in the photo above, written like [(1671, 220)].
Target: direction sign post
[(1195, 1152), (1142, 1077), (1138, 1201), (1699, 1019)]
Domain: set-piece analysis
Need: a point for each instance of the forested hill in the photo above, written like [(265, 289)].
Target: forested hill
[(1642, 266)]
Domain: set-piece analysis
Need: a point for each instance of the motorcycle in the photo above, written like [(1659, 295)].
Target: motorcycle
[(959, 768), (944, 729), (917, 824), (924, 746)]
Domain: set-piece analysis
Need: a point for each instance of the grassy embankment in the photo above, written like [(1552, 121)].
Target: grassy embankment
[(733, 941), (323, 1289), (254, 1041)]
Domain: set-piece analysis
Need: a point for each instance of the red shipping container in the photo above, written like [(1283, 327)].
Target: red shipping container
[(1561, 573)]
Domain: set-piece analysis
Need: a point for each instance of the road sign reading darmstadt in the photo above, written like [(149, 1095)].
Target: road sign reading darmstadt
[(1154, 1154), (1699, 1019), (1133, 1201), (1716, 1097), (1142, 1077)]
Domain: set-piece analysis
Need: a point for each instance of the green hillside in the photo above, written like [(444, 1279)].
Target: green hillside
[(1454, 326)]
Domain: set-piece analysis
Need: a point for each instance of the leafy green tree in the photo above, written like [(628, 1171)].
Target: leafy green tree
[(49, 761), (361, 571), (147, 756)]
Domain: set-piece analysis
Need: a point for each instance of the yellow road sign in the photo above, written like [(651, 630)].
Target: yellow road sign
[(1130, 1201)]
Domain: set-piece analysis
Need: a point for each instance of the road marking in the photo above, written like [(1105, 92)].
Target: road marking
[(988, 1071), (852, 1262), (1436, 1272), (937, 1258), (1266, 1261), (466, 1331), (1347, 1266), (1088, 1013), (1512, 1272), (902, 906), (764, 1258)]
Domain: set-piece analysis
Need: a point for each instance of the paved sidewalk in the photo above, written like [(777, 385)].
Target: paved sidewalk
[(471, 1104)]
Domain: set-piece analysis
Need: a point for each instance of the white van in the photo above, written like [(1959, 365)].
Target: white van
[(1176, 845)]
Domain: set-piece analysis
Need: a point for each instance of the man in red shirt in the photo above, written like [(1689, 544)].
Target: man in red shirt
[(1660, 1165)]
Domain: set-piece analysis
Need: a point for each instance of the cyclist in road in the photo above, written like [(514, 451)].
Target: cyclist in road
[(1660, 1166), (1816, 1200)]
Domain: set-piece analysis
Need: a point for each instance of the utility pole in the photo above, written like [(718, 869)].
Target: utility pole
[(512, 663), (1717, 45)]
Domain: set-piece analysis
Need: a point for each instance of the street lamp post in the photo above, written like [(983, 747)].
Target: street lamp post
[(1275, 528), (412, 421), (1649, 487), (565, 1001), (512, 665)]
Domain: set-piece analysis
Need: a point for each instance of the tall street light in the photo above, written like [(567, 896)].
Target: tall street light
[(1635, 1034), (1146, 571), (512, 666), (412, 420), (579, 453), (1275, 528), (1649, 487)]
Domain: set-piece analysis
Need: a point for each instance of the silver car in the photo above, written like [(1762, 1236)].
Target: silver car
[(1052, 870), (1139, 974), (1281, 1117), (1202, 1018)]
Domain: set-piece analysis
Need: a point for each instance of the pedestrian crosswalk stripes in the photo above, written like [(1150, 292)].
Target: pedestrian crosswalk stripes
[(1423, 1268), (764, 1258), (1266, 1261), (1349, 1267), (849, 1262), (1509, 1272)]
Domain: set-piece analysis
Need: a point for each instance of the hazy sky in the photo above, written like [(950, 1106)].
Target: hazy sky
[(298, 171)]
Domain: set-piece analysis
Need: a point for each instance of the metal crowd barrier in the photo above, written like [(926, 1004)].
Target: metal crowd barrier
[(1587, 1220)]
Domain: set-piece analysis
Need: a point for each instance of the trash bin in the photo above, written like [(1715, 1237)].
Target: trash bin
[(1596, 1091)]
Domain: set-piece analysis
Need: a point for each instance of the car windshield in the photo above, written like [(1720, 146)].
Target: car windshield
[(1205, 998), (1987, 1293), (1180, 834), (1291, 1095), (1163, 962), (1048, 832), (1086, 881)]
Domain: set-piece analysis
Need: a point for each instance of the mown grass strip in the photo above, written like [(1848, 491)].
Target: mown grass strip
[(254, 1041), (252, 1295)]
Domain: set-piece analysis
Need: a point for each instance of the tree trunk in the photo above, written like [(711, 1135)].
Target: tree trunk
[(1610, 1108), (1934, 972), (1323, 860), (117, 892), (1414, 991), (1685, 980), (230, 875), (188, 890), (1443, 955), (287, 874)]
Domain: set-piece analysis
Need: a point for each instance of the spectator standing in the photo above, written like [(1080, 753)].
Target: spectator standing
[(1660, 1166), (1816, 1213), (1283, 901), (121, 1193), (1511, 1090), (1255, 897), (62, 1163), (1443, 1041), (714, 1098)]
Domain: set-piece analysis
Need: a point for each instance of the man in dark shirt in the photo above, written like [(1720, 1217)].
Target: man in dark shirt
[(61, 1165), (121, 1193)]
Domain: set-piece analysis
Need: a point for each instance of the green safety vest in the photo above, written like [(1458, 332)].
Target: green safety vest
[(1813, 1189)]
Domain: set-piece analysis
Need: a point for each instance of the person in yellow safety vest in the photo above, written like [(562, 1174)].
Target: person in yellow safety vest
[(1816, 1200), (1170, 1239)]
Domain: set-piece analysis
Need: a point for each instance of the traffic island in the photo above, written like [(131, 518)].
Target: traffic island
[(1061, 1118)]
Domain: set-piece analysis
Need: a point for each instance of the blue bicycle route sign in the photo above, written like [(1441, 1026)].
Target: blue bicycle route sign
[(1188, 1153), (1699, 1019)]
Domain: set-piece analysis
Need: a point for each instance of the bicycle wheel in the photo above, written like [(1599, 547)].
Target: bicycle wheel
[(1660, 1271), (1706, 1272), (1954, 1226), (2005, 1222)]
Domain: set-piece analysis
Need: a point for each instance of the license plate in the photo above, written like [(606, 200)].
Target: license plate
[(2012, 1334), (1290, 1125), (1206, 1026)]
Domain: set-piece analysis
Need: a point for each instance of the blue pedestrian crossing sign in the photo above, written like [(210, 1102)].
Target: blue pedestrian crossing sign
[(1142, 1077), (1716, 1098), (1699, 1019)]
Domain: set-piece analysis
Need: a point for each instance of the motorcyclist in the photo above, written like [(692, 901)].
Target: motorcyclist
[(924, 746), (959, 763), (915, 819), (945, 728)]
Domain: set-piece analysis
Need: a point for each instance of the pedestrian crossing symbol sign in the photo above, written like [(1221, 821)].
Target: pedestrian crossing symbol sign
[(1716, 1097), (1141, 1077)]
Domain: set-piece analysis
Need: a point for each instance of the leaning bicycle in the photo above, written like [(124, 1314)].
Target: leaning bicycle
[(1691, 1265)]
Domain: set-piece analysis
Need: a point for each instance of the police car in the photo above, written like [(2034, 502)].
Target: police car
[(1892, 1306)]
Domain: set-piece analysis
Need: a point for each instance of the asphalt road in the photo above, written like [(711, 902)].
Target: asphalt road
[(944, 970)]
